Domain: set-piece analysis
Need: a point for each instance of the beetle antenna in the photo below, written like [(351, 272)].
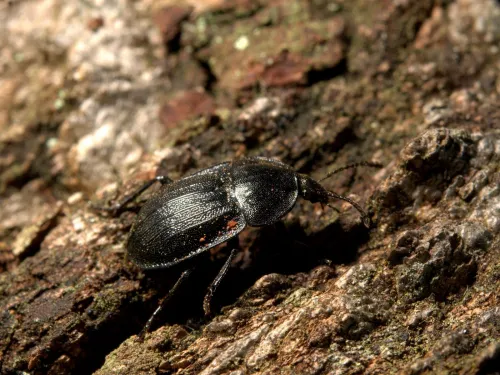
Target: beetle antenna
[(364, 216), (354, 165), (333, 208)]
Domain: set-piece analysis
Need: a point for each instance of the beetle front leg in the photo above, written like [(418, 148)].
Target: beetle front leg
[(119, 207), (215, 284)]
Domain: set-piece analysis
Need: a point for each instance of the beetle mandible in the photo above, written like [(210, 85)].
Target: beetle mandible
[(189, 216)]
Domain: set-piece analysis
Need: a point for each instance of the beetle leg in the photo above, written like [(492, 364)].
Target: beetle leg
[(184, 275), (117, 208), (215, 284)]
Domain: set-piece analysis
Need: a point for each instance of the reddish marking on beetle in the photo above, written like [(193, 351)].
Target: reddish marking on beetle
[(204, 238), (231, 224)]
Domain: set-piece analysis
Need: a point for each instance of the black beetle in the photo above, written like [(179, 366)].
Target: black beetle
[(192, 215)]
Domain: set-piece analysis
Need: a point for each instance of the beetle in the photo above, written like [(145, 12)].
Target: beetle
[(190, 216)]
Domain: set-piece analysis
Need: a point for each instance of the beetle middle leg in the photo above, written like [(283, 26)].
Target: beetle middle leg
[(183, 277), (119, 207), (215, 284)]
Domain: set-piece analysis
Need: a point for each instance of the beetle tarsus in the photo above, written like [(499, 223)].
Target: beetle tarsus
[(215, 284), (147, 327)]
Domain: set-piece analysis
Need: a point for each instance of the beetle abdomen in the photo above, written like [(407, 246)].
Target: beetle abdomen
[(185, 218), (265, 189)]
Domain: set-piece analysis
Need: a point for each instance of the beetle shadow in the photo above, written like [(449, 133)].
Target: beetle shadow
[(278, 248), (289, 251)]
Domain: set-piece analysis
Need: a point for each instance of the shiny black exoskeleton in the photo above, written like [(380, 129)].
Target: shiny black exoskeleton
[(192, 215)]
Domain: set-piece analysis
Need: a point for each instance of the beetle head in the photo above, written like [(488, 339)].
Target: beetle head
[(312, 190)]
